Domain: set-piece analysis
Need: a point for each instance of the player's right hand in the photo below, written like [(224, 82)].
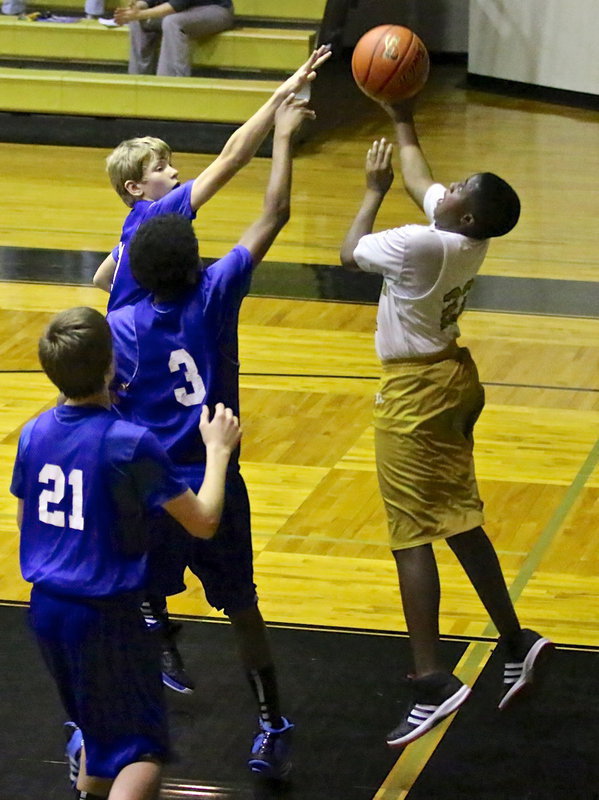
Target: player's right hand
[(290, 115), (222, 430)]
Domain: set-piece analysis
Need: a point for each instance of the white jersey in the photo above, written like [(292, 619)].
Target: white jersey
[(427, 274)]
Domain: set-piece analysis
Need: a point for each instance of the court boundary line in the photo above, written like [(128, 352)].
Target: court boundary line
[(351, 377)]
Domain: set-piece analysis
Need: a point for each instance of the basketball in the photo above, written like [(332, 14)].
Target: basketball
[(390, 63)]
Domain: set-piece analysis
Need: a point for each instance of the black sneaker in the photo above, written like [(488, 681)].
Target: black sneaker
[(523, 654), (74, 743), (271, 751), (434, 697), (173, 671)]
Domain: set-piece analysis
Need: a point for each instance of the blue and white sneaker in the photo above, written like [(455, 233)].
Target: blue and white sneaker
[(173, 670), (72, 751), (271, 751)]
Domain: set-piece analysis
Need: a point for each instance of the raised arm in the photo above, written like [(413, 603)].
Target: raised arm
[(200, 514), (416, 173), (277, 198), (379, 177), (243, 144)]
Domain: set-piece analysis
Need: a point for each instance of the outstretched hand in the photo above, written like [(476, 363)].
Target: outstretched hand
[(307, 72), (290, 115), (223, 429), (379, 170)]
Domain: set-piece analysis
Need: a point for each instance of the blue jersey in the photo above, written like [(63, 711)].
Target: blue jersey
[(125, 289), (85, 477), (172, 358)]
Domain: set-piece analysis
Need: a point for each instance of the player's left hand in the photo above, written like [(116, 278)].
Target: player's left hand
[(223, 430), (307, 72), (379, 170)]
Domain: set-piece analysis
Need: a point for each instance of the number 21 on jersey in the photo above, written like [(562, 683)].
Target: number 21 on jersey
[(53, 475)]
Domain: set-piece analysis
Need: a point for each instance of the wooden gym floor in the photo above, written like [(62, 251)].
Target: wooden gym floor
[(309, 369)]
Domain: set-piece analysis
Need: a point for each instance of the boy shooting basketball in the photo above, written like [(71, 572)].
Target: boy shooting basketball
[(427, 405)]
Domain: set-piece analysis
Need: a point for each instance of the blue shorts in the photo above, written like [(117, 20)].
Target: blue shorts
[(106, 665)]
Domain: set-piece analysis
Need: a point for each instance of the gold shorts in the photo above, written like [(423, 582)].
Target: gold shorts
[(424, 415)]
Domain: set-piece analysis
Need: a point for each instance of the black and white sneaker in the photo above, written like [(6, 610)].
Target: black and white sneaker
[(434, 697), (524, 652)]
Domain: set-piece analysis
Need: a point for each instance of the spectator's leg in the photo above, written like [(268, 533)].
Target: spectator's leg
[(144, 41), (178, 29), (94, 8), (13, 7)]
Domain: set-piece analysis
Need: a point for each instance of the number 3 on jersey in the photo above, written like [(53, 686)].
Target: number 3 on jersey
[(180, 359), (53, 474)]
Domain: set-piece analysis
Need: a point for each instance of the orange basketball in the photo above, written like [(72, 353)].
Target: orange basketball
[(390, 63)]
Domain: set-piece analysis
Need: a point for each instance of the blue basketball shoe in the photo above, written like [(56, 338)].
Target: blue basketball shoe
[(271, 751), (72, 751)]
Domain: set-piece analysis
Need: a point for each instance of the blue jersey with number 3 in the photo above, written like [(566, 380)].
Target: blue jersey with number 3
[(172, 358)]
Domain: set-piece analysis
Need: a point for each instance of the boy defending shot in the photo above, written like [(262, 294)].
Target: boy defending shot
[(143, 176), (85, 481), (427, 404), (176, 352)]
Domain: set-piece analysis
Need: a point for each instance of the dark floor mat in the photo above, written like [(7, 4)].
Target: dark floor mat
[(542, 747), (340, 688)]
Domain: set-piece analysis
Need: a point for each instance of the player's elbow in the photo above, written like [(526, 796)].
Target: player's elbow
[(100, 282), (283, 215), (279, 211), (205, 527), (236, 160), (346, 257)]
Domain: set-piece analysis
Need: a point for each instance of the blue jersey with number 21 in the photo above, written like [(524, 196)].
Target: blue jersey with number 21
[(81, 472)]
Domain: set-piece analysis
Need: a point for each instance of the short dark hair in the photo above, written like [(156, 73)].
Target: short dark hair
[(496, 206), (163, 255), (75, 351)]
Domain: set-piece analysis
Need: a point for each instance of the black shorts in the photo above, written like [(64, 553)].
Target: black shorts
[(223, 564)]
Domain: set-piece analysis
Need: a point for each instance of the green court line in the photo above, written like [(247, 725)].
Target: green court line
[(542, 544)]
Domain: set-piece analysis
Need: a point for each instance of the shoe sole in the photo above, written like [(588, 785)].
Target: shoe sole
[(535, 658), (445, 709), (176, 687), (266, 770)]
